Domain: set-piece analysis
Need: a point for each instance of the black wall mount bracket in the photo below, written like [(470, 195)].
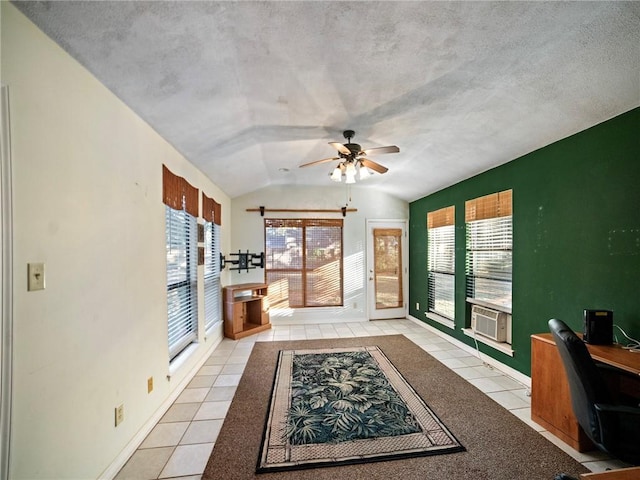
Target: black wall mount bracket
[(245, 261)]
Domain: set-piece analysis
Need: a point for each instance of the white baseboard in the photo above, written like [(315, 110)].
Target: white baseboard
[(507, 370)]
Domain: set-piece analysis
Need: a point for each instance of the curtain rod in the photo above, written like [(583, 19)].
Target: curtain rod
[(342, 210)]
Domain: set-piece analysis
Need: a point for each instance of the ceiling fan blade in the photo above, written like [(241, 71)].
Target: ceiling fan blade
[(373, 165), (340, 147), (379, 150), (319, 161)]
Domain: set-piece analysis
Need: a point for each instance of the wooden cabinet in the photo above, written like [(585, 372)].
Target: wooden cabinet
[(245, 310)]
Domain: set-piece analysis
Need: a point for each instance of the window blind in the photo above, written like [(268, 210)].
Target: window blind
[(489, 248), (498, 204), (211, 213), (182, 305), (304, 262), (212, 300), (441, 262)]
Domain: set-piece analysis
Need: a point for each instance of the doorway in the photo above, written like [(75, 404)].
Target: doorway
[(387, 269)]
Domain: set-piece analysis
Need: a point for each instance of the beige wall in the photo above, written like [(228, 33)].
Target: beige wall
[(247, 233), (87, 185)]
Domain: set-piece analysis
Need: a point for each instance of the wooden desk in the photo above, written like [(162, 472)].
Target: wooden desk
[(632, 473), (616, 356), (550, 396)]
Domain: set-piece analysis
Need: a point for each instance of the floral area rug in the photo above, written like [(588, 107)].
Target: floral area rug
[(346, 405)]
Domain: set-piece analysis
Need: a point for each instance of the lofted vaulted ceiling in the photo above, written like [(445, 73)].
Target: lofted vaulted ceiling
[(248, 91)]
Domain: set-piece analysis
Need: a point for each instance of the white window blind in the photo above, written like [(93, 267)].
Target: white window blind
[(489, 249), (441, 268), (441, 262), (182, 305), (212, 301)]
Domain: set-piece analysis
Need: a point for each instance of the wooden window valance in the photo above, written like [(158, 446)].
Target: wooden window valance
[(490, 206), (211, 210), (179, 194), (441, 218)]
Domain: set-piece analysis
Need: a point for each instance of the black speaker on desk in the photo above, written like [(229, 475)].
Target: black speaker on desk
[(598, 327)]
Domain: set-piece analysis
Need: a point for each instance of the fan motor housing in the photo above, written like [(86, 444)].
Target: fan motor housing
[(354, 148)]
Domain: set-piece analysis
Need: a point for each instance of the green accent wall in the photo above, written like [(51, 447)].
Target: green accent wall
[(576, 235)]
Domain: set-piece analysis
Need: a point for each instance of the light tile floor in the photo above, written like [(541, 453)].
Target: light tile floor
[(180, 444)]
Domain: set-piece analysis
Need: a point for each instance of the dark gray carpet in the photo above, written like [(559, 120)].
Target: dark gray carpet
[(499, 445)]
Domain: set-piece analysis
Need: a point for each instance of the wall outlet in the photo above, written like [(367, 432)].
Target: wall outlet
[(149, 384), (119, 413), (417, 305)]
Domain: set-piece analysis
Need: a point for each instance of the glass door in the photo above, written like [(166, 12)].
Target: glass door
[(386, 260)]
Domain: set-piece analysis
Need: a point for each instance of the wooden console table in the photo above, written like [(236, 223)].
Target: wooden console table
[(245, 310), (550, 396)]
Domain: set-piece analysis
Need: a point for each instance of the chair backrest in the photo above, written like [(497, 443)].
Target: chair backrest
[(585, 383)]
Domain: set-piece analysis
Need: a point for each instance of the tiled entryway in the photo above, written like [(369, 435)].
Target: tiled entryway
[(180, 444)]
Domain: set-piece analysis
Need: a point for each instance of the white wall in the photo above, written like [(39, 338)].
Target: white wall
[(248, 234), (87, 202)]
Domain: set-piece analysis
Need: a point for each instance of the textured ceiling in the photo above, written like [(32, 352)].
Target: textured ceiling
[(249, 90)]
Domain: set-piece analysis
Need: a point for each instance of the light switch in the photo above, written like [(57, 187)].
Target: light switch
[(35, 273)]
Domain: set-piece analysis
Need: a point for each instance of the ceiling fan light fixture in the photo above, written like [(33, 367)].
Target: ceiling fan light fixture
[(350, 173), (364, 172), (350, 169), (336, 176), (352, 163)]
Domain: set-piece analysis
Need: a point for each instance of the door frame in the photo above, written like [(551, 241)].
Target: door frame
[(388, 313), (6, 284)]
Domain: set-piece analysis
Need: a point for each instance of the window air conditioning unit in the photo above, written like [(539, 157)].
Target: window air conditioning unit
[(490, 323)]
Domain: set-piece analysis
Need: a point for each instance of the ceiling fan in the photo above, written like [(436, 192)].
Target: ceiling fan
[(353, 160)]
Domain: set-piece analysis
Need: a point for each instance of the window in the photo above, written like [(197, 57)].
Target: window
[(212, 305), (212, 301), (387, 255), (489, 249), (441, 262), (181, 200), (304, 262), (181, 280)]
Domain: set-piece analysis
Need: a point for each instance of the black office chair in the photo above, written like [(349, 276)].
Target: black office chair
[(612, 427)]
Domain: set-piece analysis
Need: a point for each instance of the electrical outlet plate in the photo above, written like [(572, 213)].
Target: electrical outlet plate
[(119, 414), (35, 275)]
